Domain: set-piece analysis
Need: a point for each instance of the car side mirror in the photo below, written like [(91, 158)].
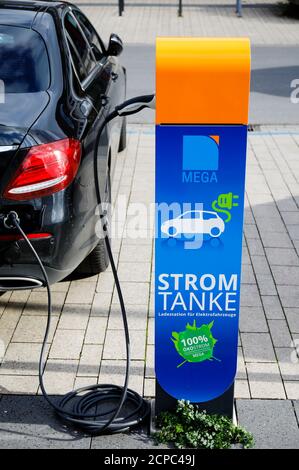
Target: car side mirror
[(115, 46)]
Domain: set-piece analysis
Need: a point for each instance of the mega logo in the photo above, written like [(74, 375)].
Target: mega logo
[(200, 158)]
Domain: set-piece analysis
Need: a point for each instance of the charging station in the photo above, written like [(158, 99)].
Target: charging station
[(202, 97)]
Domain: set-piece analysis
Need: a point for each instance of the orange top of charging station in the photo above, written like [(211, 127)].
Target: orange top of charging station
[(202, 81)]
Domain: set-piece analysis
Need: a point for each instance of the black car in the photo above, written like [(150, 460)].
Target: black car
[(58, 81)]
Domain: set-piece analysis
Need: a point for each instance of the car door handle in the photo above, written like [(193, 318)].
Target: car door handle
[(114, 76)]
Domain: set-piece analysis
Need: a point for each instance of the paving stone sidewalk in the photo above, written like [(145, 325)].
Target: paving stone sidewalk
[(86, 343), (143, 21)]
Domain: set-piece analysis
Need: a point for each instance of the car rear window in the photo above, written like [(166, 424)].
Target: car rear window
[(24, 65)]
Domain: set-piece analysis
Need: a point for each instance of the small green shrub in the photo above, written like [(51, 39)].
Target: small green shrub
[(188, 427)]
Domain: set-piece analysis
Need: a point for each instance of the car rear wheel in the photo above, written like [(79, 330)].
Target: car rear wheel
[(96, 262), (123, 136)]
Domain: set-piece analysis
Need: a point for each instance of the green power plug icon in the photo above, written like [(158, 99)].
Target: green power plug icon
[(224, 203)]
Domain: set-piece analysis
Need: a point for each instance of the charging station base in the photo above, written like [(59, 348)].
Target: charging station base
[(223, 405)]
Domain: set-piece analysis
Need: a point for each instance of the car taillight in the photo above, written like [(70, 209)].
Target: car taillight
[(47, 168)]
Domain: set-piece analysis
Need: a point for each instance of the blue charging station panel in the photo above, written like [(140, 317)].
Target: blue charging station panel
[(200, 183)]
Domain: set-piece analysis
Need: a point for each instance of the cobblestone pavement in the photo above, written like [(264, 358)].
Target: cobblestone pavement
[(86, 344), (146, 19)]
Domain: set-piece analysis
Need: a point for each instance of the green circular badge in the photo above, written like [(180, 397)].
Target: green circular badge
[(195, 344)]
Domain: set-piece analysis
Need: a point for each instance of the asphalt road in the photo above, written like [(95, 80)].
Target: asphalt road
[(273, 69)]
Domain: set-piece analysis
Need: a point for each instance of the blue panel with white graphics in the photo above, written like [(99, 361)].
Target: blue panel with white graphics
[(200, 177)]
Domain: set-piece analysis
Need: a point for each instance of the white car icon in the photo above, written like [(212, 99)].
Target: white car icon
[(194, 222)]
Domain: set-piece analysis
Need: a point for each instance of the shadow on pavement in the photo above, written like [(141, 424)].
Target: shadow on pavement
[(275, 81), (29, 422)]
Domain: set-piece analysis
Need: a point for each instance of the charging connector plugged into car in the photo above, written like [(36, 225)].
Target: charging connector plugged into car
[(9, 220)]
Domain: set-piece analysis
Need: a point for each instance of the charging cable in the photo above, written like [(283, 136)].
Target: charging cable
[(117, 408), (74, 407)]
